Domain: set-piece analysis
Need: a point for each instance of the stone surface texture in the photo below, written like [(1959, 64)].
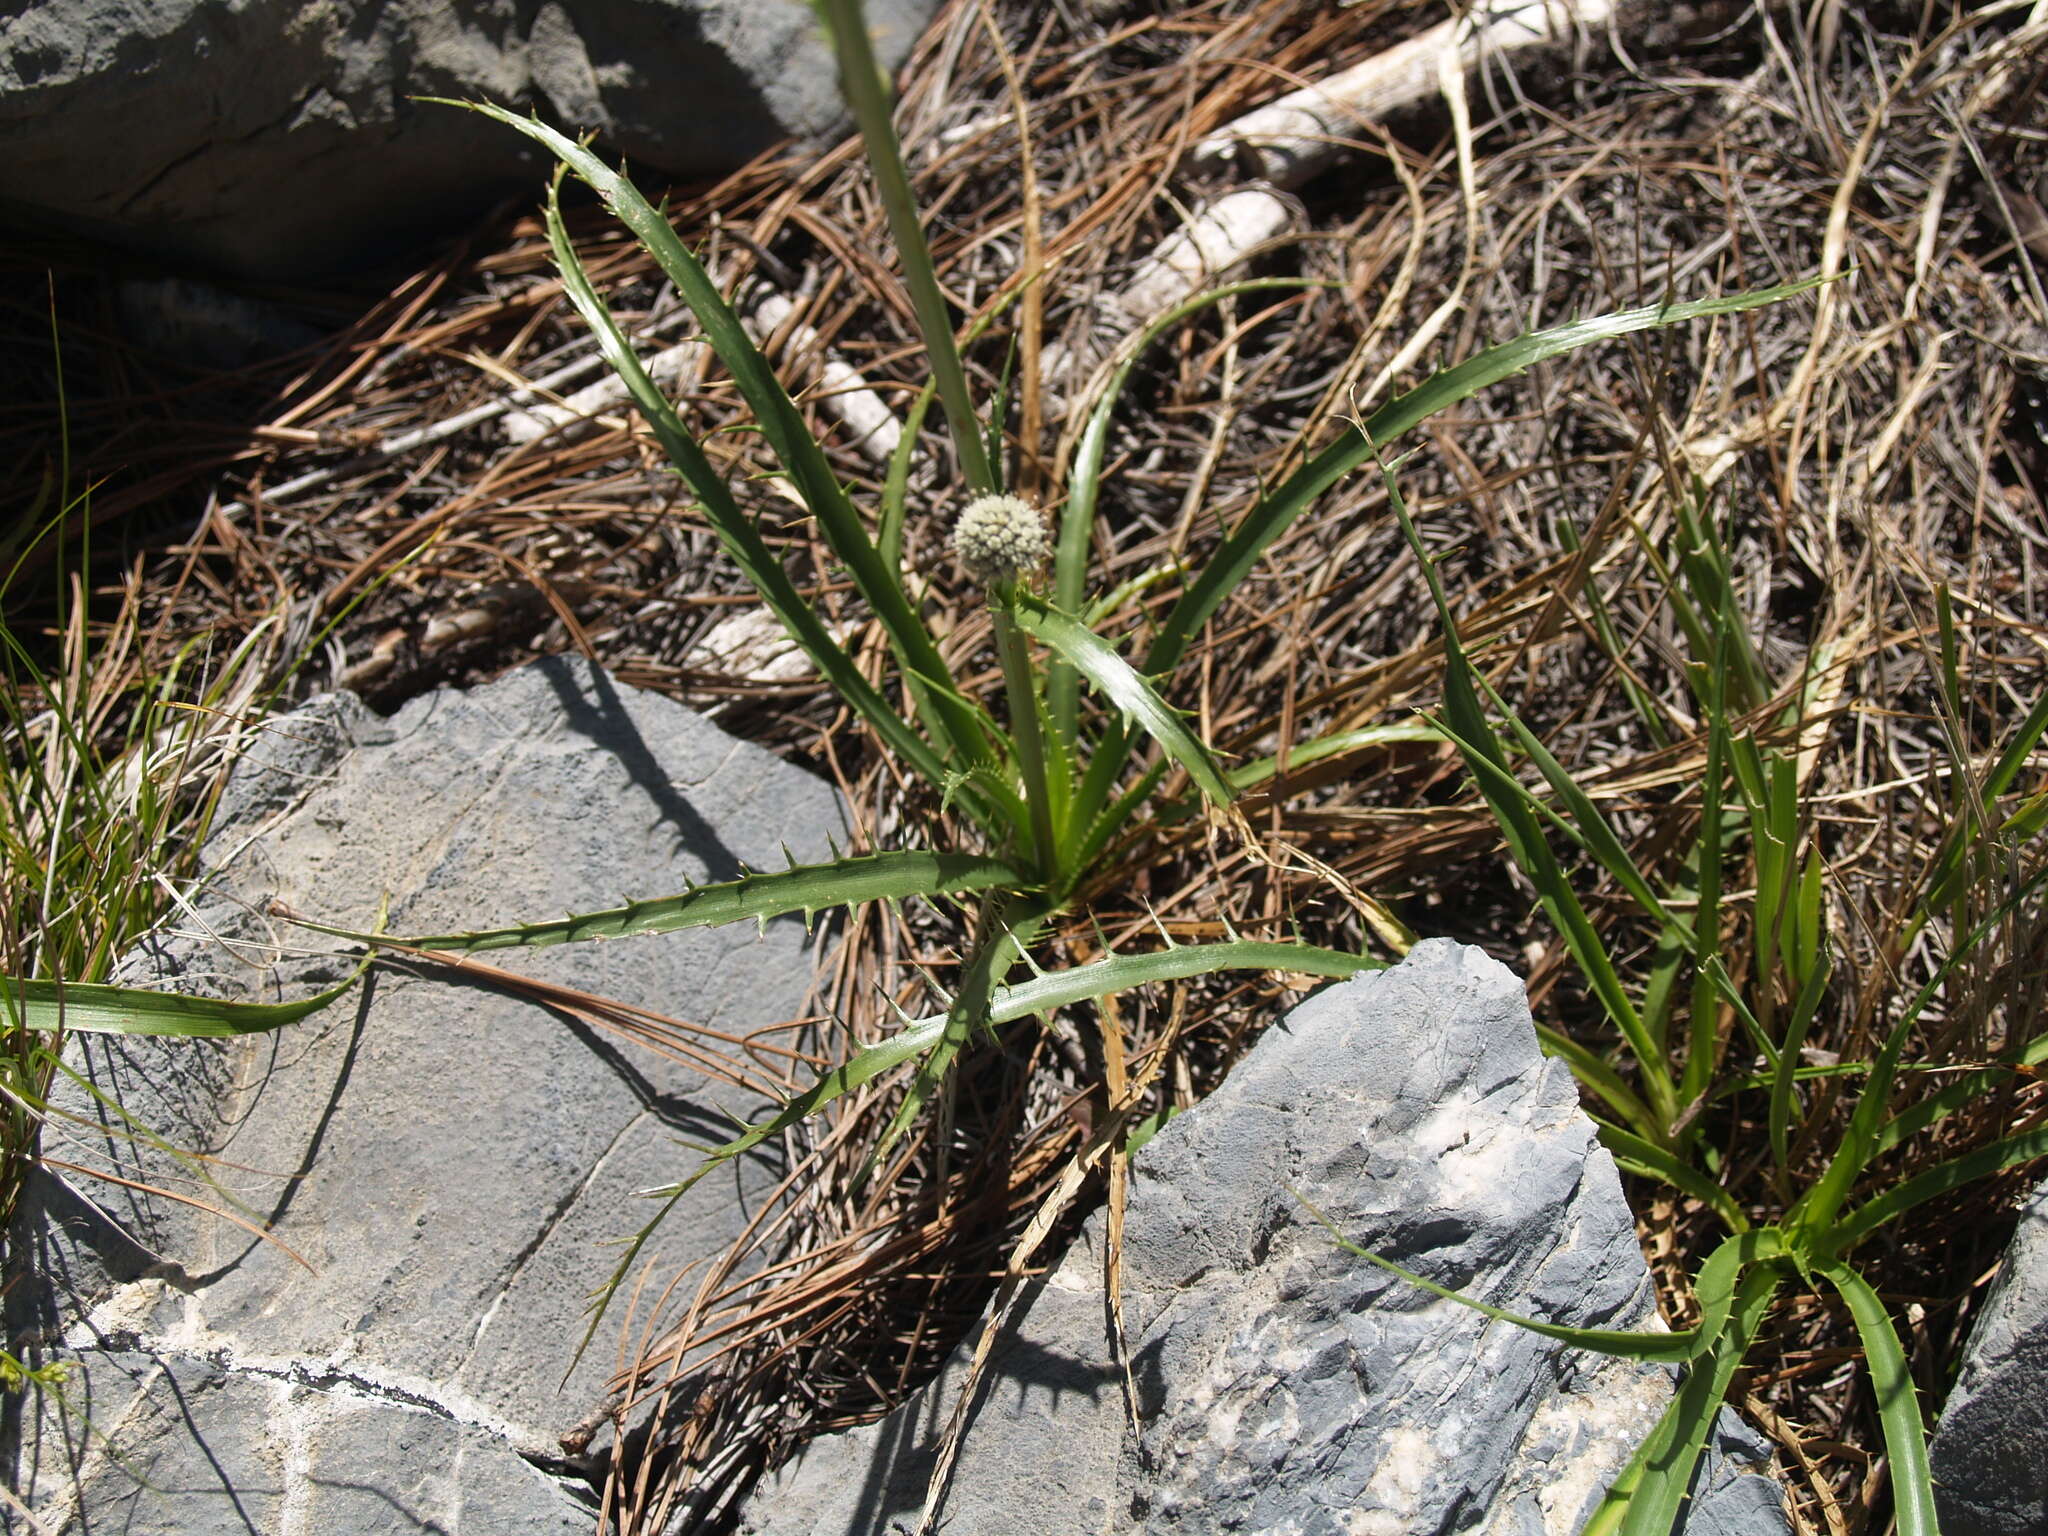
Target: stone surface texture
[(277, 138), (211, 1449), (448, 1159), (1990, 1453), (1280, 1384)]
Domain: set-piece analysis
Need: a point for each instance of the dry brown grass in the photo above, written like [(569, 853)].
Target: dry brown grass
[(1862, 452)]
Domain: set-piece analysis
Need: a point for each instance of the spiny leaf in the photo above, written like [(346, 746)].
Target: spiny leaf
[(1633, 1154), (736, 531), (1315, 749), (807, 889), (777, 415), (1057, 989), (1645, 1500), (1043, 994), (1898, 1406), (1005, 1005), (1084, 478), (1941, 1179), (969, 1010)]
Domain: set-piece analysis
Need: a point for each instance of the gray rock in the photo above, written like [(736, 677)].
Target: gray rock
[(277, 138), (198, 325), (205, 1447), (1280, 1384), (1990, 1453), (1733, 1493), (447, 1159)]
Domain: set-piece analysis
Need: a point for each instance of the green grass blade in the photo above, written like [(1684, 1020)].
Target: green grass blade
[(1120, 683), (1941, 1179), (807, 889), (1492, 771), (1595, 835), (1951, 863), (1259, 772), (1809, 925), (1060, 772), (1118, 973), (1774, 841), (1717, 1289), (1227, 569), (1756, 1082), (1467, 724), (924, 1037), (1647, 709), (1746, 765), (896, 483), (1097, 819), (998, 418), (864, 1068), (108, 1119), (1647, 1160), (777, 415), (1073, 551), (1006, 806), (105, 1010), (1147, 1128), (1712, 615), (1784, 1070), (2030, 820), (2018, 750), (971, 1009), (1717, 1286), (1597, 1075), (1703, 1038), (1959, 1094), (1260, 769), (906, 1044), (1095, 824), (1120, 596), (1054, 990), (1898, 1406), (1003, 1005), (1020, 689), (1817, 1209)]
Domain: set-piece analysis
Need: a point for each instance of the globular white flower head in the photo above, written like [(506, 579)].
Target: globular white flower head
[(999, 538)]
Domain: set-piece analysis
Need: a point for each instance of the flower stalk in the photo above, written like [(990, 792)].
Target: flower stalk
[(999, 540), (1020, 688)]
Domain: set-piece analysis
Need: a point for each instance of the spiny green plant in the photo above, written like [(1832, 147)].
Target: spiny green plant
[(1045, 792), (1755, 884)]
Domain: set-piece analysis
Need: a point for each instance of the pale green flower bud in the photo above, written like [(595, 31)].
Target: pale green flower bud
[(999, 538)]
